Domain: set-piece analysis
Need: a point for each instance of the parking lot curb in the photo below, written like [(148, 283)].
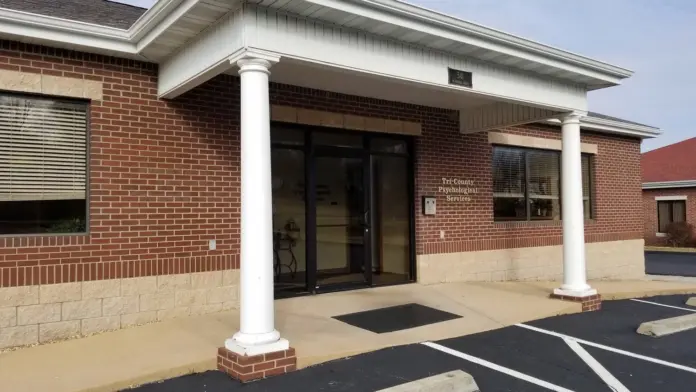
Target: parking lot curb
[(454, 381), (668, 326)]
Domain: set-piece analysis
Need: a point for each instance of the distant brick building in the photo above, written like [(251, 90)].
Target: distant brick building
[(669, 188), (203, 156)]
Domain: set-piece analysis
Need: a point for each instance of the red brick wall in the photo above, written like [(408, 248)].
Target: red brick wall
[(443, 152), (470, 226), (165, 177), (650, 211)]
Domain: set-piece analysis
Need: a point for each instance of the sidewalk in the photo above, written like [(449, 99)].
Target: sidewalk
[(120, 359)]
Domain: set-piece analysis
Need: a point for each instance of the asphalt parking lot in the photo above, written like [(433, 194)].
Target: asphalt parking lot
[(670, 263), (597, 351)]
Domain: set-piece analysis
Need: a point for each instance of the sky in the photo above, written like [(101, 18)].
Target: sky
[(654, 38)]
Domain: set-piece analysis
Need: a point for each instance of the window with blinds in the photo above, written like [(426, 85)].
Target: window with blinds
[(544, 185), (509, 184), (527, 184), (587, 181), (43, 165)]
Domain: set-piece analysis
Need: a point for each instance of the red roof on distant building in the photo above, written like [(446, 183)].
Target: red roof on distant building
[(676, 162)]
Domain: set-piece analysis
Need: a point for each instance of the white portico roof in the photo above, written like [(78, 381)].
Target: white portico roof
[(170, 24), (386, 49)]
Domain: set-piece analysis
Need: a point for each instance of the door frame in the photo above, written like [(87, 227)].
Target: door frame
[(311, 152), (350, 153)]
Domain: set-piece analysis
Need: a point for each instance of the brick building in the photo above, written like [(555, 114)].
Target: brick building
[(206, 155), (669, 188)]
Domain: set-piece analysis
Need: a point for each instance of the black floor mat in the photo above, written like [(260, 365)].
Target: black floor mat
[(396, 318)]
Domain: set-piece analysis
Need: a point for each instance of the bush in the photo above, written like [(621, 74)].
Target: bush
[(680, 234), (75, 225)]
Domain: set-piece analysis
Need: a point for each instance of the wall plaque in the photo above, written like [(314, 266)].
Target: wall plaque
[(460, 78)]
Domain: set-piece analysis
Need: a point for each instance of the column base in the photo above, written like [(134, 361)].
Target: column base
[(589, 299), (247, 368)]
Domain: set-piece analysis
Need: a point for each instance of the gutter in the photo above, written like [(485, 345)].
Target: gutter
[(617, 127), (670, 184), (130, 42)]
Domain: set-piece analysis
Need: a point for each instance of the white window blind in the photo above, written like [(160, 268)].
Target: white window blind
[(43, 149)]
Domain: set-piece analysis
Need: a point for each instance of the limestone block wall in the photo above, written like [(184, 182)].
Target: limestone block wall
[(44, 313), (605, 260)]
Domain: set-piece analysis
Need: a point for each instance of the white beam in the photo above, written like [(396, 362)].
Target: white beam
[(501, 114)]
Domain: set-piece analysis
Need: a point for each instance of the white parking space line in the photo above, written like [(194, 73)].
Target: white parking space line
[(493, 366), (612, 349), (659, 304), (597, 367)]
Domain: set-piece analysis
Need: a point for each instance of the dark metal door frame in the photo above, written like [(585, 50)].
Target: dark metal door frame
[(311, 151), (311, 210)]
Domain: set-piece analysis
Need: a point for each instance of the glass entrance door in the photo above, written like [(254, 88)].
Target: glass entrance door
[(342, 219), (342, 209)]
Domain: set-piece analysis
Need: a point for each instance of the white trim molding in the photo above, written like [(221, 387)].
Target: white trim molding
[(670, 184), (669, 198), (617, 127), (509, 139)]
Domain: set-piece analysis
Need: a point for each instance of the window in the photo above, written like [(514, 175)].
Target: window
[(43, 165), (527, 184), (670, 211)]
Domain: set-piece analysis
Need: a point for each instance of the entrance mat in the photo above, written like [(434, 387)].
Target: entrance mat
[(396, 318)]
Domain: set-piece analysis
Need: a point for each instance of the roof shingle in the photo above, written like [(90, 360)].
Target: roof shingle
[(676, 162), (100, 12)]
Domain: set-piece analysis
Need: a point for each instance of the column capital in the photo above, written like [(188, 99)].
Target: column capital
[(572, 117), (254, 60)]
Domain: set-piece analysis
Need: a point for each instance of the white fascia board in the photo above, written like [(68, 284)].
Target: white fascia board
[(616, 127), (144, 34), (670, 184), (433, 23), (128, 42), (147, 21), (48, 28)]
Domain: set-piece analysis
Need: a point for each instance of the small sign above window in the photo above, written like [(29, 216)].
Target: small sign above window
[(459, 78)]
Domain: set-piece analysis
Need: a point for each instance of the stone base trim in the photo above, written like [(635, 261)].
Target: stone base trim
[(249, 368), (605, 260), (589, 303), (44, 313)]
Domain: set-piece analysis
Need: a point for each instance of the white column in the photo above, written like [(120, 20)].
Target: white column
[(574, 274), (257, 333)]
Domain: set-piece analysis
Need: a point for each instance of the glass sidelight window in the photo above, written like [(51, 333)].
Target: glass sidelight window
[(527, 184), (391, 217)]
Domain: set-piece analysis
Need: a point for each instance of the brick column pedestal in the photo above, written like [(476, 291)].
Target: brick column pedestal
[(245, 369), (589, 303)]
